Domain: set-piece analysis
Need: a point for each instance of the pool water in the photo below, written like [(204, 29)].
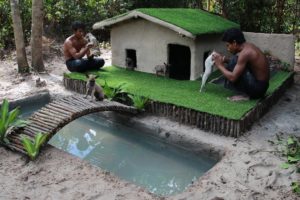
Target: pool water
[(30, 108), (130, 154)]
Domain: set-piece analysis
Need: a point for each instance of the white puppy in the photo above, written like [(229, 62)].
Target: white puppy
[(209, 63)]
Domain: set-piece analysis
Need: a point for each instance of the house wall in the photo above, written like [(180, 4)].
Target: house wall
[(279, 45), (150, 42), (206, 43)]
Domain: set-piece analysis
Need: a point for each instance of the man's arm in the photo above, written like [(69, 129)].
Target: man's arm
[(73, 51), (238, 69)]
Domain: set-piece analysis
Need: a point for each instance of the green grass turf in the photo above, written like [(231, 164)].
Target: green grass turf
[(182, 93), (195, 21)]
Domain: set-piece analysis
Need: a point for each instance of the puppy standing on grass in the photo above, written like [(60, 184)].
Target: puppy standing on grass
[(93, 89)]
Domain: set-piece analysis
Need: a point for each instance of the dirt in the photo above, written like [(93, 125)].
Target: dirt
[(250, 168)]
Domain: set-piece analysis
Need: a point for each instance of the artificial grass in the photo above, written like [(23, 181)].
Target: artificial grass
[(195, 21), (181, 93)]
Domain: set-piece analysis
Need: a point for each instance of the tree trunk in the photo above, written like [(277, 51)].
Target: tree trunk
[(296, 25), (208, 5), (280, 7), (36, 36), (223, 9), (23, 66)]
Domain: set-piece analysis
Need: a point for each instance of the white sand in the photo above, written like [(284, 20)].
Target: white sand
[(250, 168)]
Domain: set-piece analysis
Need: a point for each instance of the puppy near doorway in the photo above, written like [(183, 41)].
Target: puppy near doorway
[(93, 89)]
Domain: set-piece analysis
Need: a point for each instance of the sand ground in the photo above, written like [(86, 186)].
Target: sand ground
[(250, 168)]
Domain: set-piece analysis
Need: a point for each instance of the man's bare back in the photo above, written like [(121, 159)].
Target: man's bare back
[(256, 61)]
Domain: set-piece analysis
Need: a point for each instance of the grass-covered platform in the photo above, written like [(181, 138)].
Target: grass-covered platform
[(182, 101)]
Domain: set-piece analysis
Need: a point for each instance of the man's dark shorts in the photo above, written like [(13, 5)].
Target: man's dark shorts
[(247, 83), (84, 64)]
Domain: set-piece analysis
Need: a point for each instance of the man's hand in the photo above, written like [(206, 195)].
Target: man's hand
[(218, 59), (91, 56), (89, 45)]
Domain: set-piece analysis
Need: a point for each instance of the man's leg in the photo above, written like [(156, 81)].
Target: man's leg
[(237, 86), (95, 63), (254, 88), (77, 65)]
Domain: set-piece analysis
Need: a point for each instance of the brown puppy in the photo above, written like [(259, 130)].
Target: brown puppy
[(93, 89)]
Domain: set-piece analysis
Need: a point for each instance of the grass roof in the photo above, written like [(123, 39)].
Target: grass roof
[(181, 93), (195, 21)]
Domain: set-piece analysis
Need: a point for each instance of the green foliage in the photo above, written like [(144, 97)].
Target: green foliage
[(59, 14), (285, 66), (290, 148), (139, 102), (297, 46), (255, 15), (6, 28), (296, 187), (9, 121), (268, 16), (112, 93), (181, 93), (159, 3), (33, 147)]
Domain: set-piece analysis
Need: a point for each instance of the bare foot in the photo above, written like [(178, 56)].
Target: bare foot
[(238, 98)]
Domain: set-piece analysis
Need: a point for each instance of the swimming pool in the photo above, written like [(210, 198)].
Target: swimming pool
[(162, 168), (129, 153)]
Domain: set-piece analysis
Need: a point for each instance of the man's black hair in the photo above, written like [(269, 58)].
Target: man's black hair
[(234, 34), (78, 25)]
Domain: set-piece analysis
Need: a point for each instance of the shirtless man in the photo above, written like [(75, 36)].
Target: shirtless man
[(247, 71), (76, 47)]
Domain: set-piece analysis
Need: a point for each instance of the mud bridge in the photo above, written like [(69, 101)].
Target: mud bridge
[(55, 115)]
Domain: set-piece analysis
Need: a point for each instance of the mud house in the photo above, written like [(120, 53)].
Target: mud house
[(180, 37)]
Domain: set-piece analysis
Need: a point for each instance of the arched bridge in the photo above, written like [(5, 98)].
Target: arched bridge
[(55, 115)]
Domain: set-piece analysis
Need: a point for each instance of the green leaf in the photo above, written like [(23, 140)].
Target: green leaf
[(12, 116), (285, 165), (33, 148), (4, 110), (290, 140), (2, 129), (39, 140), (292, 159), (29, 147), (6, 141), (20, 123), (295, 187), (139, 102), (3, 118)]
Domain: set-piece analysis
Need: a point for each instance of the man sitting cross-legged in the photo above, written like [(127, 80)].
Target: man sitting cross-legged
[(247, 71), (76, 47)]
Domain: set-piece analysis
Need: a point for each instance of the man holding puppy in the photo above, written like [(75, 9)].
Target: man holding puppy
[(247, 71), (76, 47)]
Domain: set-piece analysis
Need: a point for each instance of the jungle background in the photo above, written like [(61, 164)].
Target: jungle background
[(266, 16), (250, 171)]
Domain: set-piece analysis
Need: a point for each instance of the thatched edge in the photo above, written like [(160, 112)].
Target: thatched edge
[(205, 121)]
